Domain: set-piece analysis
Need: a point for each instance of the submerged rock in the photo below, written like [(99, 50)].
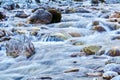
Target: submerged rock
[(40, 16), (21, 46), (10, 6), (90, 50), (21, 14), (72, 70), (112, 67)]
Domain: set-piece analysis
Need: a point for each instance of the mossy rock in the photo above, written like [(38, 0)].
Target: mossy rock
[(90, 50), (56, 15)]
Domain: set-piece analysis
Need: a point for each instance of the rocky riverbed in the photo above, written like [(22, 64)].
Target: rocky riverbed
[(64, 40)]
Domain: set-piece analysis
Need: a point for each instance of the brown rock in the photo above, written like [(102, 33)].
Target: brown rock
[(40, 16)]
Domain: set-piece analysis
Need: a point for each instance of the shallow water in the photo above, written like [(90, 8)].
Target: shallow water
[(52, 57)]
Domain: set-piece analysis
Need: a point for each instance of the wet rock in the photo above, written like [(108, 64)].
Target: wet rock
[(112, 1), (112, 67), (94, 74), (75, 34), (113, 60), (116, 78), (40, 16), (99, 28), (95, 23), (21, 14), (56, 15), (2, 33), (113, 52), (78, 54), (109, 75), (55, 37), (2, 16), (10, 6), (72, 70), (115, 15), (20, 46), (94, 2), (90, 50)]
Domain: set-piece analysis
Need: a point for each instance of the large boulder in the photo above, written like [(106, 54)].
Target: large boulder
[(40, 16), (20, 46)]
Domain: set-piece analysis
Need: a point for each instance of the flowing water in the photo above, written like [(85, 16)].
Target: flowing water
[(54, 44)]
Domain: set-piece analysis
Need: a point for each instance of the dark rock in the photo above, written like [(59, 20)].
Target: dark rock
[(99, 28), (2, 16), (21, 14), (116, 38), (56, 15), (21, 46), (40, 16), (94, 2)]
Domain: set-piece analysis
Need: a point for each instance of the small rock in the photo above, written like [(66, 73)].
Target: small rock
[(95, 74), (72, 70), (99, 28), (75, 34), (2, 16), (109, 75), (89, 50), (21, 14)]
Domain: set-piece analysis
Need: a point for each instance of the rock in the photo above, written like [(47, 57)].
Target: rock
[(113, 52), (115, 15), (75, 34), (40, 16), (94, 74), (90, 50), (112, 67), (10, 6), (2, 16), (99, 28), (116, 38), (113, 60), (77, 54), (72, 70), (116, 78), (56, 15), (20, 46), (55, 37), (95, 23), (21, 14), (94, 2), (109, 75), (2, 33)]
